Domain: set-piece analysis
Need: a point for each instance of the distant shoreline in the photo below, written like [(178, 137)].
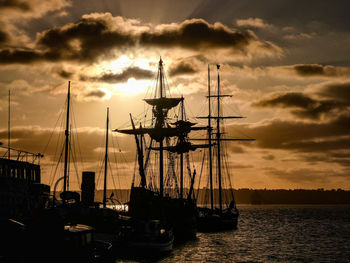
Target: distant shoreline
[(260, 196)]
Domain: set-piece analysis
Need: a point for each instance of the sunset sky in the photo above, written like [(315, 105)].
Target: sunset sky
[(286, 63)]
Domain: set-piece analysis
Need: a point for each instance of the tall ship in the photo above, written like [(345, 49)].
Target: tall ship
[(219, 213), (165, 188)]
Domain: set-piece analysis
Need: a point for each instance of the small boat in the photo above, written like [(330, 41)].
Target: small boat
[(80, 244), (145, 237), (46, 239)]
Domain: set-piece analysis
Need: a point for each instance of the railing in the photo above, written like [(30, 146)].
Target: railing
[(20, 155)]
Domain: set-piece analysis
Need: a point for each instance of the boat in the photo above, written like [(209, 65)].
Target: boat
[(30, 227), (139, 237), (49, 240), (222, 214), (21, 190), (160, 194), (82, 208)]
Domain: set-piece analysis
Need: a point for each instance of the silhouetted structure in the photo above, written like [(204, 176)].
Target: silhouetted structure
[(150, 199)]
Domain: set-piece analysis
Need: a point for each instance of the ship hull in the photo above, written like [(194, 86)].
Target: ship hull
[(214, 221), (180, 214)]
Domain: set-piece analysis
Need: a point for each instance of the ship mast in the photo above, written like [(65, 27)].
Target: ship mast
[(161, 168), (66, 142), (182, 158), (9, 127), (106, 162), (209, 142), (161, 105), (218, 142)]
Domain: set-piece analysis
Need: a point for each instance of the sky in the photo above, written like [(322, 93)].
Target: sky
[(286, 63)]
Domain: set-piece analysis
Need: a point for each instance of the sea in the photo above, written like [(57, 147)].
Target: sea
[(273, 233)]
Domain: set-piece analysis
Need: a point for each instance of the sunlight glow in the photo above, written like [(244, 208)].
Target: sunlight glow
[(133, 87), (118, 65)]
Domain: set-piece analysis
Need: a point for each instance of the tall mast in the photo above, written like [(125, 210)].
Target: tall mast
[(161, 105), (9, 127), (218, 142), (139, 148), (161, 172), (182, 158), (161, 78), (209, 141), (106, 162), (66, 142)]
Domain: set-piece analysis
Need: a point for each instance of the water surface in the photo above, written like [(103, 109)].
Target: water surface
[(274, 233)]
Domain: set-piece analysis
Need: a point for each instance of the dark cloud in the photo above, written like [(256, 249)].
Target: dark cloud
[(308, 107), (309, 70), (4, 37), (341, 155), (337, 91), (15, 4), (321, 108), (100, 34), (64, 73), (95, 94), (197, 33), (240, 166), (85, 40), (269, 157), (182, 68), (30, 8), (287, 100), (300, 136), (130, 72), (342, 159), (320, 145), (24, 56)]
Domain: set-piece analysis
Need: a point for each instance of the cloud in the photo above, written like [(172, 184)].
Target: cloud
[(252, 22), (95, 94), (64, 73), (30, 8), (299, 36), (307, 107), (309, 70), (22, 56), (183, 68), (287, 100), (305, 175), (87, 39), (130, 72), (100, 34), (299, 136), (49, 142), (336, 91), (4, 37), (15, 4), (269, 157), (196, 33)]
